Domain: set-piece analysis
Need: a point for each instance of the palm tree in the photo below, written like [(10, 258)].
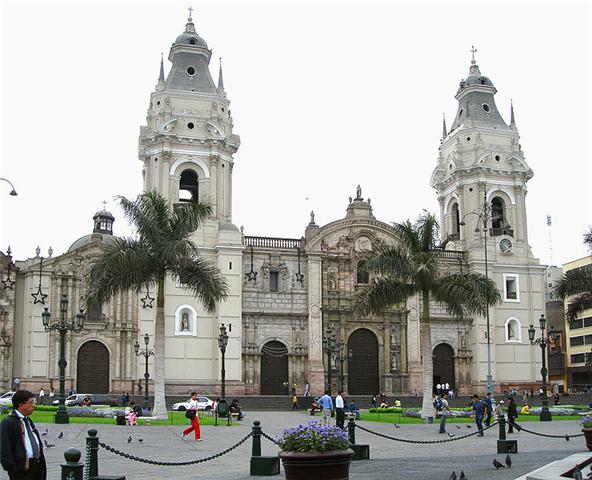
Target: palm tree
[(411, 267), (163, 247), (577, 283)]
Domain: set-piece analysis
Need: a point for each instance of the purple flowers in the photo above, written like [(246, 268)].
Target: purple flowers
[(313, 437)]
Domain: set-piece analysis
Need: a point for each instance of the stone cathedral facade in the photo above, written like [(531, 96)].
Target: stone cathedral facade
[(289, 306)]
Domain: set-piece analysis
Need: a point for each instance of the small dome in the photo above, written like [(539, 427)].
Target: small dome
[(90, 238), (103, 213), (190, 39), (475, 78)]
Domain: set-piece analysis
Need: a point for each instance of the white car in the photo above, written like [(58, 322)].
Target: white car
[(6, 398), (203, 403)]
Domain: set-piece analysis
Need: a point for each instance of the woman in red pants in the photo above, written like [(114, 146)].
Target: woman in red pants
[(191, 414)]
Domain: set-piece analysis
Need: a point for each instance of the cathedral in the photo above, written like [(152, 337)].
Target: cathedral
[(288, 311)]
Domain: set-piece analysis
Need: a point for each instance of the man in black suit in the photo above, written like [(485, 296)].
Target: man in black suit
[(21, 450)]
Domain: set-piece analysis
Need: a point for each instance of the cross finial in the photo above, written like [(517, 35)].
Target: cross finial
[(473, 51), (190, 10), (104, 205)]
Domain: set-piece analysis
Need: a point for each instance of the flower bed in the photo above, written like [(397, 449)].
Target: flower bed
[(95, 412), (313, 437)]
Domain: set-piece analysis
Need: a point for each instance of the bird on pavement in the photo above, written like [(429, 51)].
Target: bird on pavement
[(458, 427), (44, 434), (453, 476), (508, 461), (450, 434), (48, 445), (129, 439), (60, 435), (140, 440), (397, 426), (462, 476), (469, 426), (497, 464)]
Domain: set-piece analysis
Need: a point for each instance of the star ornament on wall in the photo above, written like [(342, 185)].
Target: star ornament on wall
[(39, 296), (8, 284), (147, 300), (299, 277), (251, 276)]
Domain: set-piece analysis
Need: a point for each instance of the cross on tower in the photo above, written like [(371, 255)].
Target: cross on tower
[(190, 10), (104, 205), (473, 51)]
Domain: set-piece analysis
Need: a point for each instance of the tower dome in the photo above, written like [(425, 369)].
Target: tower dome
[(103, 222)]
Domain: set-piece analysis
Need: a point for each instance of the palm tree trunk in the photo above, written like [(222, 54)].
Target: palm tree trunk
[(160, 410), (427, 409)]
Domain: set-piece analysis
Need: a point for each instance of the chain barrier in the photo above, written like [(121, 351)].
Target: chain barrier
[(173, 464), (566, 437), (426, 442), (271, 439)]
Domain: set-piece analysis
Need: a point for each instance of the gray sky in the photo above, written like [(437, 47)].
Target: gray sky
[(325, 95)]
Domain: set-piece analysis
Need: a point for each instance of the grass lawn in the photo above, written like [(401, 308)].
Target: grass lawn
[(400, 418), (175, 418)]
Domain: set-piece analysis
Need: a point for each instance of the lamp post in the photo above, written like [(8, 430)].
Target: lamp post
[(146, 354), (542, 341), (589, 365), (13, 191), (483, 217), (222, 343), (62, 327)]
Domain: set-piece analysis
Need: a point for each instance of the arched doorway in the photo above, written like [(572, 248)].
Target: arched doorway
[(274, 368), (362, 363), (92, 369), (443, 357)]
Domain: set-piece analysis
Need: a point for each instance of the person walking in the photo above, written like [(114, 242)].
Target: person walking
[(525, 397), (21, 450), (294, 402), (306, 389), (512, 415), (488, 402), (373, 401), (444, 411), (326, 404), (339, 411), (478, 411), (41, 397), (191, 414), (51, 393)]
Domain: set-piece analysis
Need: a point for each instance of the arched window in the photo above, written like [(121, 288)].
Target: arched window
[(455, 222), (362, 276), (498, 214), (189, 186), (513, 330)]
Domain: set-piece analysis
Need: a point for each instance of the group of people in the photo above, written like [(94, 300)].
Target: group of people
[(329, 408), (383, 403)]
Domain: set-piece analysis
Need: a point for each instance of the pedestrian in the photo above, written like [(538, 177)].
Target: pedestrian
[(525, 397), (373, 401), (191, 414), (478, 412), (326, 404), (438, 389), (444, 411), (499, 409), (512, 415), (236, 408), (446, 388), (294, 402), (293, 389), (41, 397), (556, 398), (397, 403), (487, 401), (531, 395), (21, 449), (339, 411), (124, 399), (51, 392), (306, 389)]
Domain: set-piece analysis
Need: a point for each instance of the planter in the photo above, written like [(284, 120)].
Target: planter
[(588, 436), (330, 465)]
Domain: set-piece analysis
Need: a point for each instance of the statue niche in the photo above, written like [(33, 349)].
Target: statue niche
[(185, 321)]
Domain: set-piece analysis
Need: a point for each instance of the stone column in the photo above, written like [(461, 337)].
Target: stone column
[(316, 372)]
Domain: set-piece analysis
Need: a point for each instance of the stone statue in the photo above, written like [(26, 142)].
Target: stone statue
[(358, 193), (312, 219), (512, 331), (395, 362), (185, 322)]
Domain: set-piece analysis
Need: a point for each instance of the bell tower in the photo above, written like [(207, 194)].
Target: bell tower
[(481, 174), (187, 151)]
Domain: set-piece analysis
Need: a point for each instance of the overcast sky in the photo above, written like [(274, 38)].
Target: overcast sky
[(325, 95)]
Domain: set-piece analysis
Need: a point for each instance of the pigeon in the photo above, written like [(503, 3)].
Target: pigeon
[(397, 426), (508, 461), (462, 476), (469, 426), (497, 464), (129, 439), (60, 435), (451, 434), (567, 438), (140, 440), (48, 445), (458, 427), (453, 476)]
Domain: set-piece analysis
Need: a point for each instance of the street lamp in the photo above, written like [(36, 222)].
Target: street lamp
[(542, 341), (13, 191), (222, 343), (62, 327), (146, 353), (589, 365), (483, 217)]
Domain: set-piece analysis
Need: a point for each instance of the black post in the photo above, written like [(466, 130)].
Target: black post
[(92, 447), (256, 449), (504, 445), (146, 377), (61, 415), (502, 427), (146, 353), (71, 468), (545, 413), (351, 430), (223, 374)]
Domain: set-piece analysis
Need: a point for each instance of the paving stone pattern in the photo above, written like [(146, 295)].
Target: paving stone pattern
[(389, 459)]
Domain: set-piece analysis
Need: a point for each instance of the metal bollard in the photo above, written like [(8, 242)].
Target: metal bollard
[(504, 445), (92, 449), (351, 430), (71, 468), (256, 450)]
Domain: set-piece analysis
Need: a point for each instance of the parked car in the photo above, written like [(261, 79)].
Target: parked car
[(6, 398), (203, 403), (96, 399)]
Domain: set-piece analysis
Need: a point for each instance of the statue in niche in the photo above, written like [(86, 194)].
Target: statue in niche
[(332, 281), (395, 361), (512, 334), (298, 337), (185, 322)]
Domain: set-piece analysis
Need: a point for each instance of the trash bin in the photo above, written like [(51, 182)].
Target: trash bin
[(120, 419), (222, 408)]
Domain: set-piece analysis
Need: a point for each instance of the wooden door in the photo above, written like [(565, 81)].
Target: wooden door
[(92, 369), (443, 365), (274, 368), (362, 363)]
